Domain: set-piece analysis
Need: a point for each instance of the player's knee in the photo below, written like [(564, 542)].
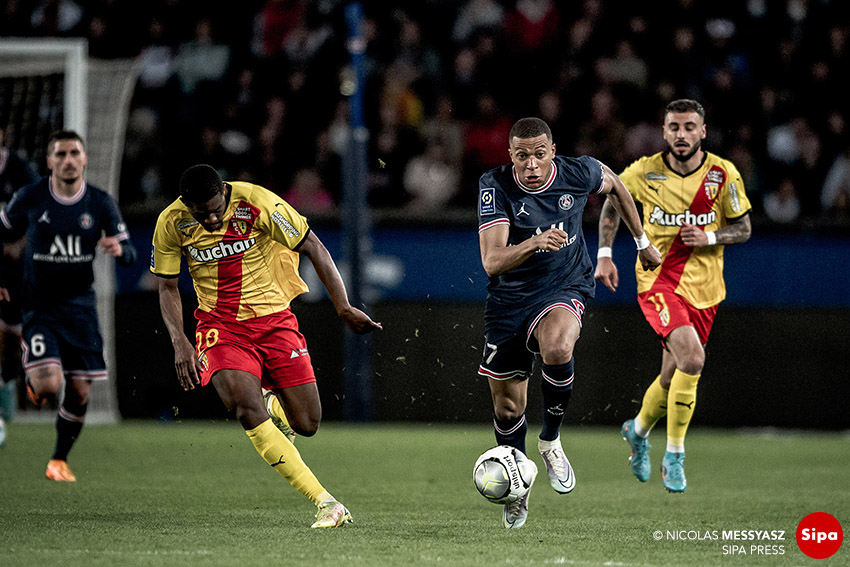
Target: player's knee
[(556, 354), (46, 381), (693, 363), (507, 409), (306, 426)]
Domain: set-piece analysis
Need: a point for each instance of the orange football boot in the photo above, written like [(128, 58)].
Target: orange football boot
[(59, 471)]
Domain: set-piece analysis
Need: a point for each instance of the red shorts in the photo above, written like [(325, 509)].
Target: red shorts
[(666, 310), (271, 348)]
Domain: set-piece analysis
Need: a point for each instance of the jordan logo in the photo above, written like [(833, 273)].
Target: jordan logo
[(522, 210), (44, 218)]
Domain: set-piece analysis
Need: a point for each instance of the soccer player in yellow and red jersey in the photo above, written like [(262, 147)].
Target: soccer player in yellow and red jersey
[(694, 203), (242, 245)]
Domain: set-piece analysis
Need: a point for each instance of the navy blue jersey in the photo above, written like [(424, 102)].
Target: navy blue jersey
[(61, 236), (557, 203)]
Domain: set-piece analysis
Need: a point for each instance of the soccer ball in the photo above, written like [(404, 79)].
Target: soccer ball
[(503, 474)]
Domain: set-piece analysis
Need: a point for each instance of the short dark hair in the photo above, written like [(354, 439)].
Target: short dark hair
[(58, 135), (199, 184), (529, 128), (685, 105)]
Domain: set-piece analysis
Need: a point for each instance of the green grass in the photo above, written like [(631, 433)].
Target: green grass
[(197, 494)]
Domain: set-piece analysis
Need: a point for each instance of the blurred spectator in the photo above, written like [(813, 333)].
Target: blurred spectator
[(57, 17), (444, 128), (201, 59), (430, 180), (308, 194), (486, 138), (474, 15), (835, 193), (783, 205)]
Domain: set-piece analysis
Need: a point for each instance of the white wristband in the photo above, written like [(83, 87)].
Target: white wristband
[(712, 238), (642, 241), (604, 252)]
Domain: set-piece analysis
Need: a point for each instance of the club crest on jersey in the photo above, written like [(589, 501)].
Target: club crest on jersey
[(239, 227), (566, 202), (711, 190), (487, 201), (86, 221)]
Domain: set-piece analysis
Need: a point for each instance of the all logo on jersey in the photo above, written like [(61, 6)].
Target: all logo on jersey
[(65, 250), (86, 221), (566, 202), (153, 257), (522, 210), (487, 201), (655, 176)]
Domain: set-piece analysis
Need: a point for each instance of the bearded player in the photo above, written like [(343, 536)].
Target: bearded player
[(694, 204), (242, 244)]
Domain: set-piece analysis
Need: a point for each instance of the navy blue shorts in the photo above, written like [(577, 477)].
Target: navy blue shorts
[(67, 336), (509, 343)]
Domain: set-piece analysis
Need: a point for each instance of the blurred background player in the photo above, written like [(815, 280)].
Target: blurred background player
[(242, 245), (541, 278), (694, 203), (65, 220), (15, 172)]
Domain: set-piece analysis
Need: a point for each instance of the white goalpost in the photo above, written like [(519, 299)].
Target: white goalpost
[(53, 84)]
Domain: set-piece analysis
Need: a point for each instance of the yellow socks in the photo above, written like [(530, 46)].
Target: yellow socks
[(681, 400), (282, 455), (654, 407)]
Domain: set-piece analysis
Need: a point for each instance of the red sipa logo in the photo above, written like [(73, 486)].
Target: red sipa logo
[(819, 535)]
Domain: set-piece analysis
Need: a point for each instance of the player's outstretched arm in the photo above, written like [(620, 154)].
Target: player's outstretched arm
[(185, 359), (354, 318), (649, 256)]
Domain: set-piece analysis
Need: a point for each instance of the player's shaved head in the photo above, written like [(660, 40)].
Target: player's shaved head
[(526, 128), (199, 184)]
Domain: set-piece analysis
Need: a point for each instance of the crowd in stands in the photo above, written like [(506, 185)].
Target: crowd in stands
[(258, 89)]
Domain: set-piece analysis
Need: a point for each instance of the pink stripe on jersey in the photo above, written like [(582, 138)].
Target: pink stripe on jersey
[(492, 223)]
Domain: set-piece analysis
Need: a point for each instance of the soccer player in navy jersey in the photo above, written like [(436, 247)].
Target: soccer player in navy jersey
[(65, 220), (15, 172), (541, 278)]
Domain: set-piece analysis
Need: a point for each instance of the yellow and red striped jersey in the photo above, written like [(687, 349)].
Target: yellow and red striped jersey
[(709, 197), (248, 268)]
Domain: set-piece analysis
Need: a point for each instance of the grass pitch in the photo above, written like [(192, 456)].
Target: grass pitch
[(197, 494)]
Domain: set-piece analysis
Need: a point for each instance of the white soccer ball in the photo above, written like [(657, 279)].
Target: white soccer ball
[(503, 474)]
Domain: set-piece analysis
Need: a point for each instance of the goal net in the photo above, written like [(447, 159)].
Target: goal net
[(48, 84)]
